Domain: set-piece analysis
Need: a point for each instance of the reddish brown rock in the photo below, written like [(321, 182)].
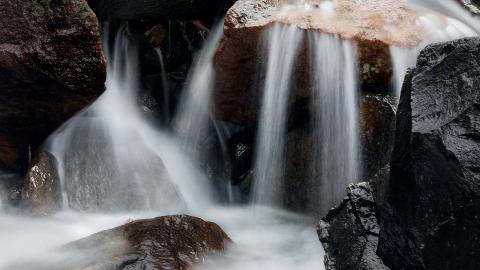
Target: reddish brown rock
[(373, 25), (168, 242), (51, 66), (41, 191)]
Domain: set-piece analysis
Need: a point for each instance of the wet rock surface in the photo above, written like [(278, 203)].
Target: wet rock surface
[(373, 25), (377, 125), (41, 192), (168, 242), (349, 232), (51, 66), (430, 220)]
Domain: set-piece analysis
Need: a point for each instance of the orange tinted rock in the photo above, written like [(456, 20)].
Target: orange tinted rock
[(168, 242), (373, 25)]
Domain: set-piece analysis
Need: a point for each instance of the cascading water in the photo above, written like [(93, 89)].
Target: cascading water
[(192, 117), (335, 119), (272, 124), (110, 159), (165, 86), (460, 24)]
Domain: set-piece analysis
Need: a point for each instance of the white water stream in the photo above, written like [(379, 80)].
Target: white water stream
[(282, 45), (335, 120)]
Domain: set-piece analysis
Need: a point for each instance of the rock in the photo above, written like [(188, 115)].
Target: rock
[(377, 132), (110, 10), (168, 242), (373, 25), (471, 5), (379, 183), (51, 66), (349, 233), (431, 212), (41, 192)]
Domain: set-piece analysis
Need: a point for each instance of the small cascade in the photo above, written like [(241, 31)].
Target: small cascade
[(165, 86), (110, 159), (282, 44), (459, 24), (192, 118), (336, 160)]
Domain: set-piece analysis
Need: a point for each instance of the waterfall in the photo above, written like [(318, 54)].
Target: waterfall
[(165, 86), (282, 45), (110, 159), (335, 119), (460, 24), (192, 117)]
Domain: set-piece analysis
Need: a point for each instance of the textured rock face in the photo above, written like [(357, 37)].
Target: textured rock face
[(349, 233), (377, 125), (41, 191), (51, 66), (431, 217), (170, 242), (109, 10)]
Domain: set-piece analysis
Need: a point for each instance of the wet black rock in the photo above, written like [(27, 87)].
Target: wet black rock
[(431, 219), (349, 232), (379, 183)]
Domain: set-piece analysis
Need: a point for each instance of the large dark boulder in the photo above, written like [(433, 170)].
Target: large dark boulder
[(168, 242), (51, 66), (431, 217), (349, 232)]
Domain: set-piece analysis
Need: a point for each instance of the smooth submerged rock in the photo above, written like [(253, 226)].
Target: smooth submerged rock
[(42, 191), (431, 217), (168, 242), (349, 232), (51, 66)]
